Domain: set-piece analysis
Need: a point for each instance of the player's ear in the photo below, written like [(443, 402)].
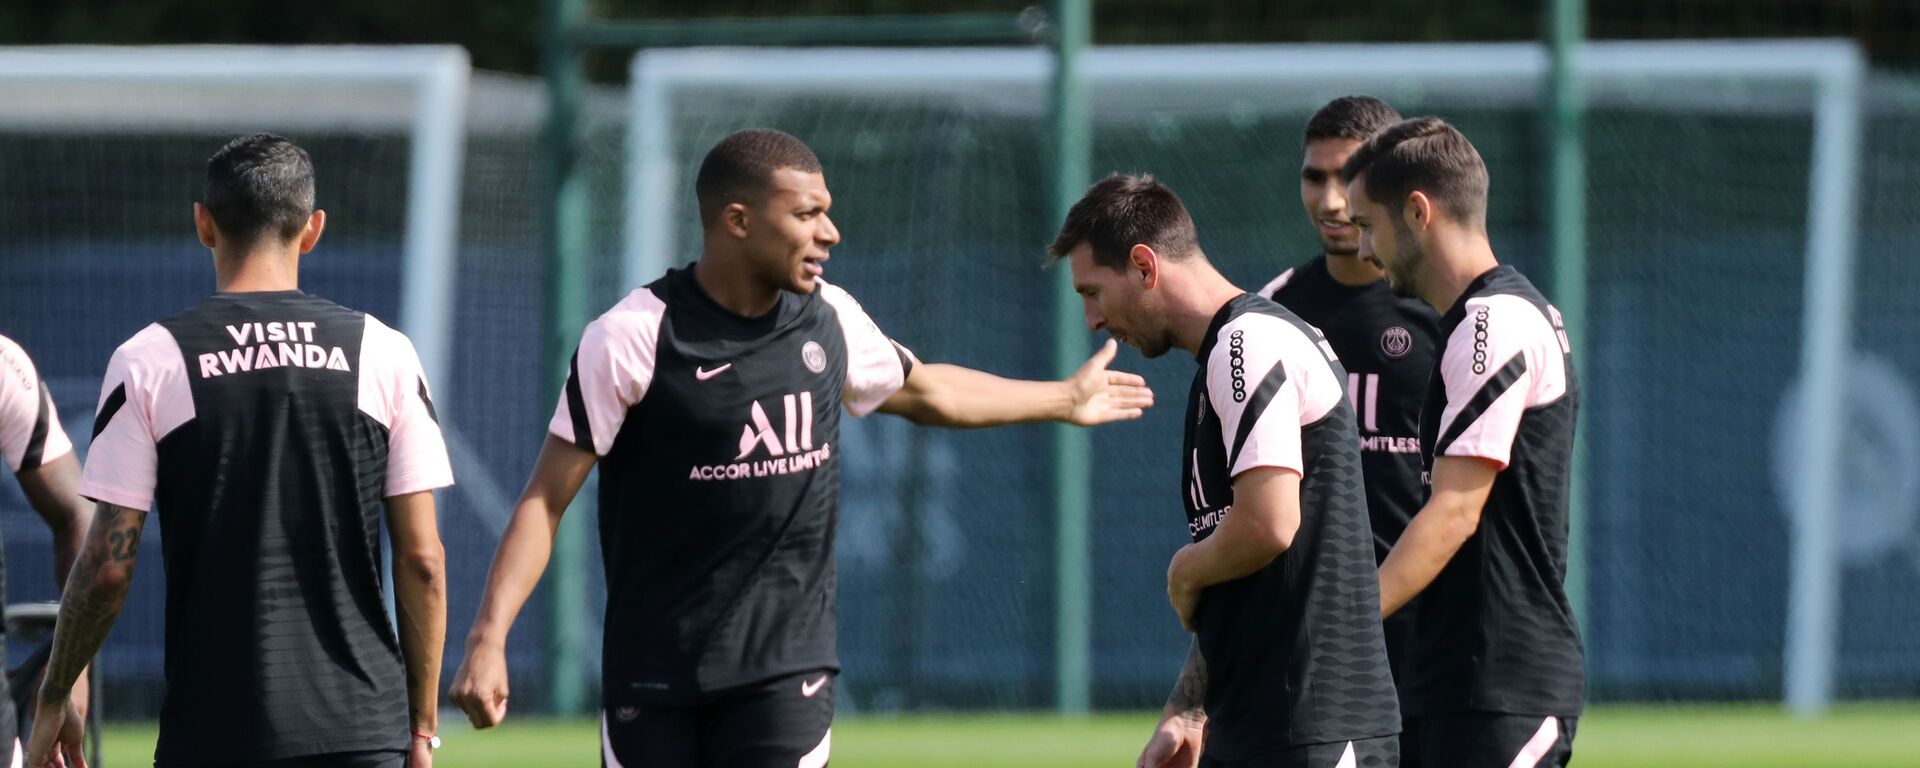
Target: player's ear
[(1144, 264), (310, 234), (733, 219), (204, 227), (1418, 211)]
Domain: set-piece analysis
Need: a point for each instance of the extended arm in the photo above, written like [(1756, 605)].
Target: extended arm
[(420, 594), (952, 396), (1450, 517), (1266, 515), (480, 687)]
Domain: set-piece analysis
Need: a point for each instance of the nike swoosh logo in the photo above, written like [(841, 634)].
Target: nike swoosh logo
[(809, 689), (704, 374)]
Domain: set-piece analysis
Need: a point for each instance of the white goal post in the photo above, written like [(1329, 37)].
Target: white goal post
[(435, 78)]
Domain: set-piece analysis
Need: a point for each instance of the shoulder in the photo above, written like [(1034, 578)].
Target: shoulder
[(1263, 333), (383, 345), (153, 345), (1502, 321), (15, 358), (853, 317), (634, 320), (1272, 288), (837, 297)]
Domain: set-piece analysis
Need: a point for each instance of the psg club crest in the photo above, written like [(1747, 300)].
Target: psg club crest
[(813, 356), (1396, 342)]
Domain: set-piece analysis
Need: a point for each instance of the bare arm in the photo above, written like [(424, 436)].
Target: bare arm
[(1188, 700), (952, 396), (53, 490), (95, 591), (420, 594), (1450, 517), (480, 687), (1266, 515), (528, 543)]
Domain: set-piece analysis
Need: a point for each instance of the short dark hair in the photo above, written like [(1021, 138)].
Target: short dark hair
[(740, 167), (259, 185), (1425, 154), (1121, 211), (1350, 117)]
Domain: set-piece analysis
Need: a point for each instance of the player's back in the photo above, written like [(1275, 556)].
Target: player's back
[(1496, 632), (1294, 651), (269, 416)]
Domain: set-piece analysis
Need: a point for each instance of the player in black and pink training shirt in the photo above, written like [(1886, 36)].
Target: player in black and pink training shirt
[(40, 456), (270, 431), (1288, 667), (711, 400), (1495, 672)]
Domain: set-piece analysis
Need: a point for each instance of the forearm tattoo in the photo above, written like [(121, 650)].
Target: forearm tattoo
[(90, 604), (1190, 691)]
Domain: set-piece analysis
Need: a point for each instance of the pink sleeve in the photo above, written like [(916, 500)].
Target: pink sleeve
[(394, 391), (610, 372), (30, 432), (1258, 401), (144, 397), (877, 366), (1491, 366)]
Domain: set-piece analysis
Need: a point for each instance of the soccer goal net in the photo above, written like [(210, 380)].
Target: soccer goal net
[(1722, 229)]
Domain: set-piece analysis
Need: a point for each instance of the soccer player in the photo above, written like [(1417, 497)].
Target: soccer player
[(269, 428), (1288, 666), (1385, 341), (711, 398), (1496, 667), (40, 456)]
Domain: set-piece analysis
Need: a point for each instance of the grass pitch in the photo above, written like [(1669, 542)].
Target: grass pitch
[(1858, 736)]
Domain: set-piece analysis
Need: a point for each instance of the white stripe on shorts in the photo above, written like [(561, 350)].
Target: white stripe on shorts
[(1538, 746), (606, 744), (1347, 759), (818, 757)]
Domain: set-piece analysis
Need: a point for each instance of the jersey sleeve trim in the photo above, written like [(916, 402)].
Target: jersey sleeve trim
[(577, 406), (1256, 407), (1497, 385), (37, 441), (427, 400), (108, 407)]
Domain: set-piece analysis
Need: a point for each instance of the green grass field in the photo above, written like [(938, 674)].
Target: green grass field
[(1609, 737)]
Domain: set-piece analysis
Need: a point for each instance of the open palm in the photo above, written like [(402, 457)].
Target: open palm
[(1101, 396)]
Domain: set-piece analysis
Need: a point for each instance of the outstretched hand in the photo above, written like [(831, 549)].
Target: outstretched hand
[(1101, 396)]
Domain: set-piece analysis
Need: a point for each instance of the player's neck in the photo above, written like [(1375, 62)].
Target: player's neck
[(1193, 302), (259, 271), (1350, 271), (1449, 273), (726, 283)]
